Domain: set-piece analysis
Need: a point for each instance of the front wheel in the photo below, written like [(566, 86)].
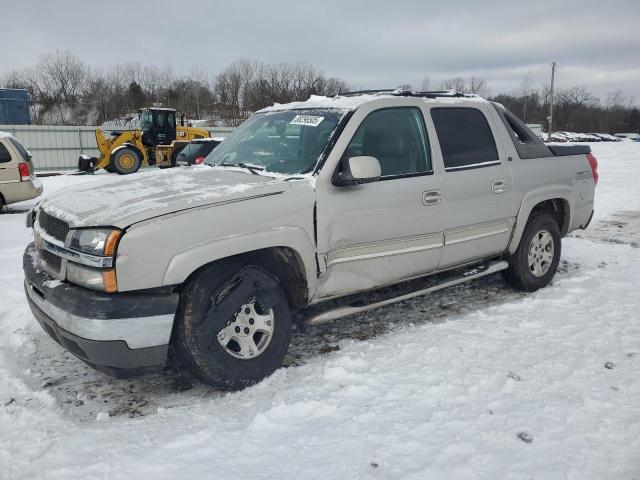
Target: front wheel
[(233, 325), (536, 260), (125, 161)]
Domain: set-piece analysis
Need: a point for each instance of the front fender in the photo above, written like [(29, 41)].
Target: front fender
[(185, 263), (530, 200)]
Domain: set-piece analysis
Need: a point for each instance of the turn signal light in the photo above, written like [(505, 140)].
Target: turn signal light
[(110, 282), (112, 242)]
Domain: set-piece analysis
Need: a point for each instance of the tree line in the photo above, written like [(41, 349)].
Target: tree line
[(66, 91)]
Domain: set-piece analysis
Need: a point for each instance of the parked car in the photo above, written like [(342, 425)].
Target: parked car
[(557, 137), (306, 209), (17, 178), (628, 136), (196, 151), (570, 136), (611, 138)]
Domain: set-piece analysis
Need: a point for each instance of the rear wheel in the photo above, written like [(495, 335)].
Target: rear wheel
[(536, 260), (126, 161), (233, 325)]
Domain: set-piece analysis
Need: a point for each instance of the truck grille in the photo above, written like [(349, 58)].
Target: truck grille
[(53, 226), (53, 261)]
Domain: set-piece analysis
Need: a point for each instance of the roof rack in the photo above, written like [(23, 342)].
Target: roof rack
[(408, 93)]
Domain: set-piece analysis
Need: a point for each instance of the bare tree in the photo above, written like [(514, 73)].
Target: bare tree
[(477, 85), (425, 84), (64, 90)]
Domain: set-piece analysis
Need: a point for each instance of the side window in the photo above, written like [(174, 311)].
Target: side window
[(185, 152), (397, 138), (5, 156), (465, 138), (526, 143), (23, 151)]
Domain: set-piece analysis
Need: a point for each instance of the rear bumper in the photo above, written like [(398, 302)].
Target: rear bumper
[(583, 227), (20, 191), (120, 334)]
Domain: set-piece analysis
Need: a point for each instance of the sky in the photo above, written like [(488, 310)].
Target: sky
[(370, 44)]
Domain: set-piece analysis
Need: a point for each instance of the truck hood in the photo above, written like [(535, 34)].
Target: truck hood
[(128, 200)]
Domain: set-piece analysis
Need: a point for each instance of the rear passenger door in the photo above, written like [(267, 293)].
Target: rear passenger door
[(8, 169), (477, 193)]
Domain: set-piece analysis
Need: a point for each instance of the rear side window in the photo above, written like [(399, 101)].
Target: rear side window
[(20, 148), (185, 152), (527, 144), (465, 138), (5, 156), (397, 138), (204, 149)]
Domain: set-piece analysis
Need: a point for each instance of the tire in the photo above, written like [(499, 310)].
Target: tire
[(109, 168), (2, 204), (126, 161), (174, 156), (541, 238), (217, 308)]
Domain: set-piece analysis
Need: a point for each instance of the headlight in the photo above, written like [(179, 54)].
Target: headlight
[(93, 278), (85, 271), (101, 242)]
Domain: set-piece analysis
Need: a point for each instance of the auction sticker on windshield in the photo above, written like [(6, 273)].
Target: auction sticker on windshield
[(308, 120)]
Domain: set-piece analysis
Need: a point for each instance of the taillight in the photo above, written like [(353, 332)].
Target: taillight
[(593, 162), (198, 161), (23, 168)]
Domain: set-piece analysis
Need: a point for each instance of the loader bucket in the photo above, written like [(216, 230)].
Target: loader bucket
[(87, 164)]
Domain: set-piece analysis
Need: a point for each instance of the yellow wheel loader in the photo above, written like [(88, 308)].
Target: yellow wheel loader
[(157, 142)]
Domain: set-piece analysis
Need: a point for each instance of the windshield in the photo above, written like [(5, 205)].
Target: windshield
[(288, 142), (145, 120)]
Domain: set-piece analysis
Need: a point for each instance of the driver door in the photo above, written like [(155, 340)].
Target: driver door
[(386, 231), (164, 127)]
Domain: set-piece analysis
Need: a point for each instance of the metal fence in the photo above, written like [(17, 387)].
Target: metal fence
[(58, 148)]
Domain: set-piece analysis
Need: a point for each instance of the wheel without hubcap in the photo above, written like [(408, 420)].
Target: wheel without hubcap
[(125, 161)]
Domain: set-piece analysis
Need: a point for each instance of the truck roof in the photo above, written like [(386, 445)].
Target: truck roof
[(351, 101)]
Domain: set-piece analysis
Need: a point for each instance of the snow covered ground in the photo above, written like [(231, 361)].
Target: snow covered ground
[(478, 381)]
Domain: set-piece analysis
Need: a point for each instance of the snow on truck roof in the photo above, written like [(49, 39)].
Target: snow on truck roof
[(353, 101)]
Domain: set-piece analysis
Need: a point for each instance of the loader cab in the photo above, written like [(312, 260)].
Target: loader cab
[(158, 126)]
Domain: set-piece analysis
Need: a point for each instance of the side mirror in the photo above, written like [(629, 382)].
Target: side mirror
[(358, 170)]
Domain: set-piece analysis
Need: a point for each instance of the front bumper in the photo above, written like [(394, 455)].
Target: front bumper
[(121, 334)]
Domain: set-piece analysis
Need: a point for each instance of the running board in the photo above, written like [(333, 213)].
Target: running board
[(449, 281)]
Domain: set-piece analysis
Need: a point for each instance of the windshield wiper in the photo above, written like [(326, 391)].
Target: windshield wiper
[(251, 168)]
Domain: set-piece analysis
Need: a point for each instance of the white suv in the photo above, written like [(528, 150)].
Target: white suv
[(311, 207)]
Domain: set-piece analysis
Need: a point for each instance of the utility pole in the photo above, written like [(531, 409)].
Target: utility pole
[(554, 65), (197, 102)]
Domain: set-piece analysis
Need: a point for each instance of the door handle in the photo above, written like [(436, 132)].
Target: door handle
[(431, 197), (499, 187)]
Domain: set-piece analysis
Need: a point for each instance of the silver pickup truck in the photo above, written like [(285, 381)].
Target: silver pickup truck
[(309, 211)]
